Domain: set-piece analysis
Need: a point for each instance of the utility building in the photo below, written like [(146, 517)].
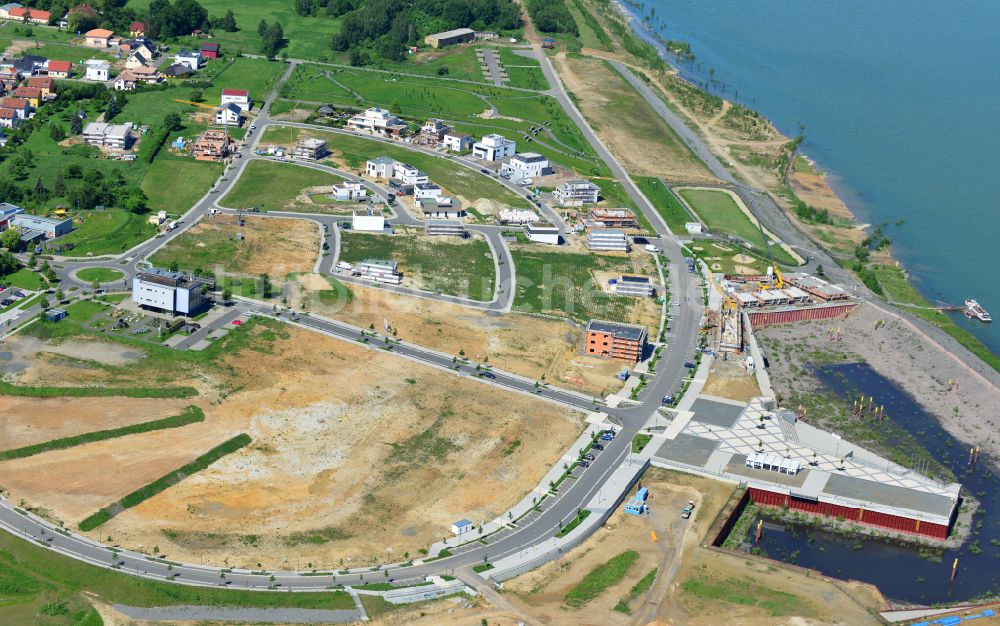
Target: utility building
[(450, 37)]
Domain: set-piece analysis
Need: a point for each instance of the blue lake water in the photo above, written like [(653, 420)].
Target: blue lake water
[(900, 104)]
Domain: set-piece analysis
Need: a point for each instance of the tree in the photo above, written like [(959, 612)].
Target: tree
[(58, 185), (114, 107), (174, 266), (74, 171), (228, 22), (19, 168), (272, 40), (57, 132), (44, 303), (8, 262), (261, 28), (172, 122), (196, 96), (396, 107), (40, 191), (135, 200), (443, 70), (304, 7), (227, 295), (265, 286), (76, 125)]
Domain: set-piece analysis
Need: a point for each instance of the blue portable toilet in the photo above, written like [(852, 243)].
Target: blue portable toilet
[(623, 375)]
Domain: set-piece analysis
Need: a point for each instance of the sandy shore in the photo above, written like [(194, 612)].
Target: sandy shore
[(898, 352)]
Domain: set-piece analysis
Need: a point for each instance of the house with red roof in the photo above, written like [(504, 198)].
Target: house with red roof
[(239, 97), (137, 29), (19, 105), (59, 69), (98, 38), (9, 118), (46, 83), (30, 15), (32, 94)]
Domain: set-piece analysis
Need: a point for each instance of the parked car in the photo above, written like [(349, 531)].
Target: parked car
[(489, 375), (689, 365), (583, 464), (237, 322), (607, 437), (20, 294), (668, 399), (597, 446), (589, 457)]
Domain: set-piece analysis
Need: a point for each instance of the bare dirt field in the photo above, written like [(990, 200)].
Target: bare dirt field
[(27, 421), (276, 246), (899, 353), (353, 451), (730, 379), (525, 345), (638, 137)]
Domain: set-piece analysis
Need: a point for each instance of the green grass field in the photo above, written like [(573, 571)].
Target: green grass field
[(100, 274), (523, 72), (256, 75), (600, 578), (273, 186), (23, 278), (13, 31), (33, 578), (453, 178), (720, 213), (747, 592), (666, 204), (174, 184), (455, 268), (563, 284), (106, 232)]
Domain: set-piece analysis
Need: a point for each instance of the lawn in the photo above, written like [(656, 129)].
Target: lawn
[(23, 278), (563, 283), (99, 274), (256, 75), (76, 54), (12, 31), (454, 179), (600, 578), (524, 72), (174, 184), (105, 232), (720, 213), (462, 269), (33, 577), (459, 61), (307, 37), (665, 203), (747, 592), (273, 186)]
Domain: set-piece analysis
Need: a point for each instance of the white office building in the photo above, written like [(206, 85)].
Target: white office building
[(173, 292), (493, 147)]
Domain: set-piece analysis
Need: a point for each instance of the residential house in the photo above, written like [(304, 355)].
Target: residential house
[(426, 190), (136, 59), (81, 9), (209, 50), (310, 149), (349, 190), (212, 145), (46, 84), (137, 29), (610, 340), (493, 147), (9, 77), (32, 94), (577, 192), (98, 38), (239, 97), (457, 143), (30, 65), (33, 16), (408, 175), (143, 46), (59, 69), (542, 233), (380, 167), (516, 216), (367, 220), (442, 207), (19, 105), (380, 271), (114, 136), (326, 110), (377, 122), (129, 79), (527, 165), (636, 286), (97, 70), (7, 8), (435, 129), (229, 115), (178, 70), (188, 58), (124, 82), (9, 118)]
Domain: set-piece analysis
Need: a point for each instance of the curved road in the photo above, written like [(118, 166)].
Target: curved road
[(558, 510)]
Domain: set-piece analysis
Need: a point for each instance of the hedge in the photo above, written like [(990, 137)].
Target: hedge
[(7, 389)]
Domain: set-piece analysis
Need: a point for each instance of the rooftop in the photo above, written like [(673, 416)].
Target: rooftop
[(453, 33), (619, 331)]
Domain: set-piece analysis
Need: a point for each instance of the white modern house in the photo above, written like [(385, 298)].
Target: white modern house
[(493, 147), (426, 190), (229, 115), (525, 165), (380, 167), (349, 190), (117, 136), (408, 175), (607, 240), (577, 193), (97, 70), (457, 143), (239, 97), (368, 221), (377, 122), (188, 58), (173, 292), (543, 233)]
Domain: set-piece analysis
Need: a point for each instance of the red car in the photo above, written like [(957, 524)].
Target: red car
[(237, 322)]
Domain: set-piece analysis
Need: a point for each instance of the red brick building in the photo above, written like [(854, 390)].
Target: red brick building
[(620, 342)]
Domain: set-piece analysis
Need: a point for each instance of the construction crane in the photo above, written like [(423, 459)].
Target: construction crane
[(777, 280)]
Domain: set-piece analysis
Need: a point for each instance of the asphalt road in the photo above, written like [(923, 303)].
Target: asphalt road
[(681, 342)]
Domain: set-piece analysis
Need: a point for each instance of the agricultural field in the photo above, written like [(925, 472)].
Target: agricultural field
[(350, 153), (572, 285), (274, 186), (105, 232), (445, 265), (273, 246), (719, 211), (431, 440)]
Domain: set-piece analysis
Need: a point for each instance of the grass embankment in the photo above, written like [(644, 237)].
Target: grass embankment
[(600, 578), (106, 232), (639, 442), (99, 274), (23, 278), (33, 578), (464, 269), (748, 592), (637, 590), (190, 415), (721, 214), (273, 186), (144, 493), (7, 389), (666, 204), (573, 523)]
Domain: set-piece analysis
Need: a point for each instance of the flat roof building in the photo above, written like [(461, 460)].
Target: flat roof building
[(310, 149), (174, 292), (542, 233), (611, 340), (526, 165), (450, 37), (493, 147), (607, 240), (115, 136), (48, 226), (380, 167), (377, 122), (577, 193), (380, 271), (212, 145), (368, 220), (636, 286), (613, 218)]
